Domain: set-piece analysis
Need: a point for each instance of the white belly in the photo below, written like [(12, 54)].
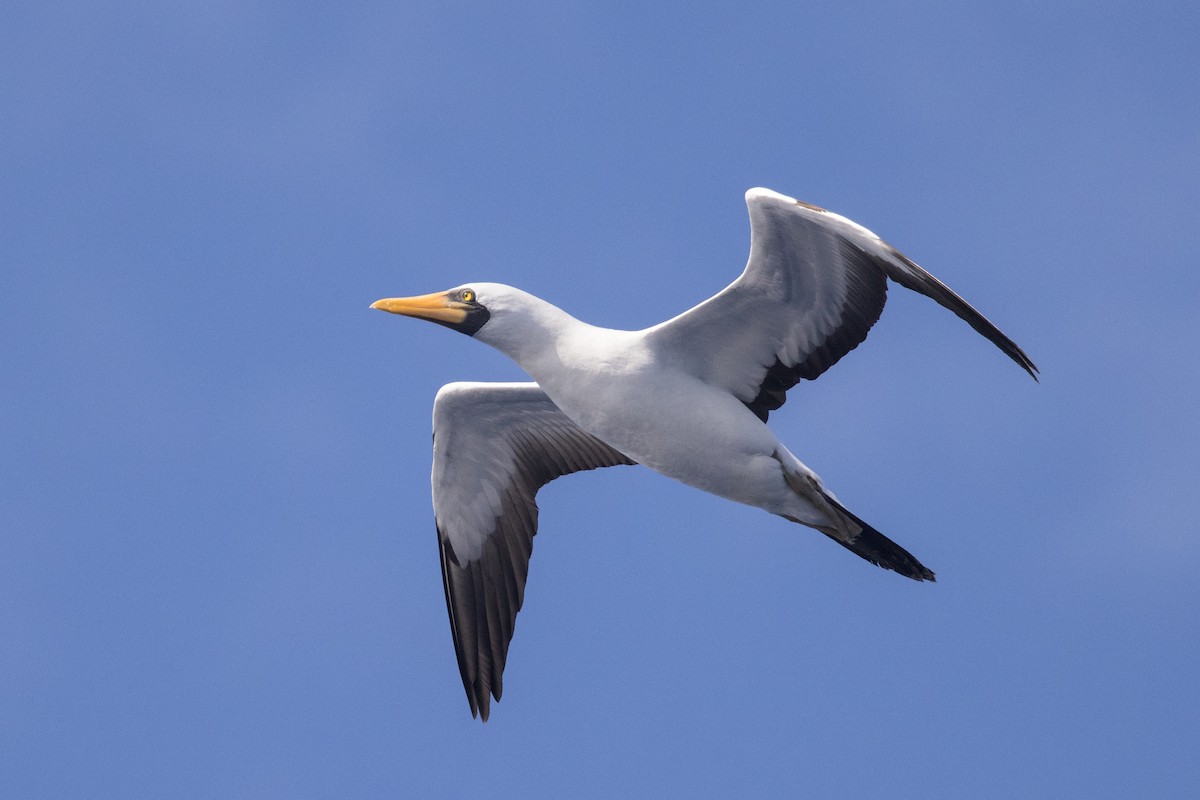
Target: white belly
[(677, 426)]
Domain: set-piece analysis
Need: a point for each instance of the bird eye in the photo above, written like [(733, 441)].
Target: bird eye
[(467, 296)]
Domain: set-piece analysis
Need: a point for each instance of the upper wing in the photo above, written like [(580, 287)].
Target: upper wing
[(494, 446), (814, 285)]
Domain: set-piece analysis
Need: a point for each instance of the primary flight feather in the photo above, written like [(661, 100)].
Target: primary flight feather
[(688, 398)]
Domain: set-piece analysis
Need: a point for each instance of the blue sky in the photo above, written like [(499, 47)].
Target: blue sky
[(218, 573)]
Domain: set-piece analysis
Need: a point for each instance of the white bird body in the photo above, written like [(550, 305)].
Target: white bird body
[(688, 398), (618, 387)]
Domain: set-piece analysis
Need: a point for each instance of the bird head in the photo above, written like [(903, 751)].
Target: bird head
[(461, 308), (516, 323)]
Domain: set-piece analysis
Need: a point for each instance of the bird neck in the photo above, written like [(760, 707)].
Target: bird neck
[(533, 334)]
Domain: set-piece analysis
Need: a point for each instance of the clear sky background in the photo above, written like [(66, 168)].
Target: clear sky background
[(218, 570)]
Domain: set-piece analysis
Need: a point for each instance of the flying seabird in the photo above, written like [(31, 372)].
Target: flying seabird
[(688, 398)]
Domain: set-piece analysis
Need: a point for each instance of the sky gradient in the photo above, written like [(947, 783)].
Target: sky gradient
[(218, 568)]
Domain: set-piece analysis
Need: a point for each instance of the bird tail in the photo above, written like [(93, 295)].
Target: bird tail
[(880, 550), (868, 543)]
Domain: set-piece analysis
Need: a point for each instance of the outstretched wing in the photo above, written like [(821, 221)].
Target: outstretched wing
[(494, 446), (813, 287)]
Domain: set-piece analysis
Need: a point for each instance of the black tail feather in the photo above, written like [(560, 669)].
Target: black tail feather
[(880, 550)]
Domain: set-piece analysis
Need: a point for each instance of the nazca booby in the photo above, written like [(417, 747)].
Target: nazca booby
[(688, 398)]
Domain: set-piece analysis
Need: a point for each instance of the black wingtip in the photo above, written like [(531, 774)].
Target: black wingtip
[(1014, 352), (485, 700), (1032, 369), (1007, 346), (480, 699), (906, 272)]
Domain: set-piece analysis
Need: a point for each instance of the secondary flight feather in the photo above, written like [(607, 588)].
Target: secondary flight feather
[(688, 398)]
